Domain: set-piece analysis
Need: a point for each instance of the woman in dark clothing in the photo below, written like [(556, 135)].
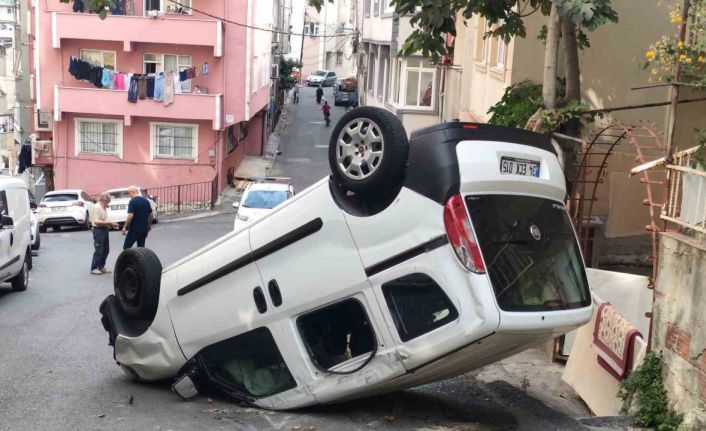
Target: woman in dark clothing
[(319, 94)]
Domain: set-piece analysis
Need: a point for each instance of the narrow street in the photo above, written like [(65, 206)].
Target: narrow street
[(57, 372)]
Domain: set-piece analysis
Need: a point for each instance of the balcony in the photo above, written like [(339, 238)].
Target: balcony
[(138, 29), (95, 101)]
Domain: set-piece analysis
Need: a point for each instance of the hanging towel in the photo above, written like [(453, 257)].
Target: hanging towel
[(150, 87), (205, 68), (142, 87), (169, 89), (613, 338), (183, 75), (177, 83), (82, 69), (132, 92), (95, 76), (119, 81), (107, 79), (159, 88)]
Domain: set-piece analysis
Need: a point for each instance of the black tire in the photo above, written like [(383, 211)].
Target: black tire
[(38, 241), (87, 223), (138, 274), (21, 280), (56, 228), (388, 172), (42, 229)]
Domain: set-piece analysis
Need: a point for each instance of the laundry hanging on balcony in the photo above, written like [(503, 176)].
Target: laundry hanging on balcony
[(159, 87)]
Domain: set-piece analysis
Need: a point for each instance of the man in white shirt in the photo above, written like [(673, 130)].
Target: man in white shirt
[(101, 229)]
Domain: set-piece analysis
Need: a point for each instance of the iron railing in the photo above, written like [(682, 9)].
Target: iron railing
[(686, 205), (185, 197)]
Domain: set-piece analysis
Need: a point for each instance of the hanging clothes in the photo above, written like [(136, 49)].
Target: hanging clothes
[(132, 91), (79, 6), (108, 79), (73, 66), (204, 72), (159, 88), (24, 158), (119, 81), (150, 87), (95, 76), (83, 69), (142, 87), (177, 83), (182, 75), (197, 71)]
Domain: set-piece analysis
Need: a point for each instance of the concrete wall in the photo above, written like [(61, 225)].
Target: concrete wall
[(679, 326)]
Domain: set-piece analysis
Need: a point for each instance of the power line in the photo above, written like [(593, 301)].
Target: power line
[(338, 45), (240, 24)]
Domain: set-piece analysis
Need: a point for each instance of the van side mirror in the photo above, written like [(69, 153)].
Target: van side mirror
[(6, 222), (236, 205), (185, 387)]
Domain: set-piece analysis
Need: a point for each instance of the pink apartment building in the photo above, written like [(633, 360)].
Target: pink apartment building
[(99, 140)]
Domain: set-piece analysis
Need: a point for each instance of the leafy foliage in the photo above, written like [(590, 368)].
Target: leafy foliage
[(700, 154), (286, 67), (101, 7), (435, 18), (318, 4), (582, 41), (645, 386), (517, 105)]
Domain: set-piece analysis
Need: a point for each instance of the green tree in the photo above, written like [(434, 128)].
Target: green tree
[(286, 67)]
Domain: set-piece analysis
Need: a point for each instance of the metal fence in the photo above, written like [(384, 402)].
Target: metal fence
[(185, 197), (687, 191)]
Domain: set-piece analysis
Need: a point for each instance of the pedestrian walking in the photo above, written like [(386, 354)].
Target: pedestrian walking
[(101, 239), (139, 219), (319, 94), (327, 112), (295, 93)]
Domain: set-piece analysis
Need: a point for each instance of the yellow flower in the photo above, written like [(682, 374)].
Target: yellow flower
[(688, 61), (702, 59), (680, 45), (676, 19), (650, 54), (654, 71), (682, 57)]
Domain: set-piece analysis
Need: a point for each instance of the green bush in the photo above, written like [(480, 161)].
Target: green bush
[(517, 105), (645, 386)]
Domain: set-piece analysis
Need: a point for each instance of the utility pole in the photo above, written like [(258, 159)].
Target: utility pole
[(301, 52)]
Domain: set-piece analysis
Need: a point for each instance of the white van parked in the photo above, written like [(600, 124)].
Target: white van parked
[(15, 237), (415, 261)]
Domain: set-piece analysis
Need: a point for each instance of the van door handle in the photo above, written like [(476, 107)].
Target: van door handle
[(275, 293), (259, 297)]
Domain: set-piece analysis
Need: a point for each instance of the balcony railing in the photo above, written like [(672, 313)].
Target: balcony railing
[(687, 191), (100, 101), (173, 29)]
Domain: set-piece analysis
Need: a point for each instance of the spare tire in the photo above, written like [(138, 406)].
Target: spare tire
[(138, 274), (368, 151)]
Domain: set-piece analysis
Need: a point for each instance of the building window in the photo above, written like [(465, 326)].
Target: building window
[(419, 81), (339, 58), (376, 7), (311, 28), (236, 134), (168, 6), (155, 63), (174, 141), (482, 43), (99, 136), (337, 334), (367, 7), (389, 8), (249, 363), (417, 305), (500, 54), (371, 72), (97, 57)]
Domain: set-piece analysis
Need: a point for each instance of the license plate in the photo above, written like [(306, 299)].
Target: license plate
[(118, 207), (58, 208), (522, 167)]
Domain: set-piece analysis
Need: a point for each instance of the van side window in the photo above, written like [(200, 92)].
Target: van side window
[(250, 363), (3, 204), (337, 333), (417, 305)]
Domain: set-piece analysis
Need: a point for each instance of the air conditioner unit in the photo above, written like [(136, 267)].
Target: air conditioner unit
[(43, 121)]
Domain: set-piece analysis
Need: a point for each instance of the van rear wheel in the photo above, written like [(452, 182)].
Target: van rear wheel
[(368, 151), (138, 274), (21, 280)]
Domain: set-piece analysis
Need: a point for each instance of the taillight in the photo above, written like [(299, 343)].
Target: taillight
[(79, 204), (460, 234), (42, 205)]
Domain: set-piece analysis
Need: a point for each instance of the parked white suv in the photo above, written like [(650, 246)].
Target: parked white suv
[(119, 199), (65, 208), (415, 261), (15, 253)]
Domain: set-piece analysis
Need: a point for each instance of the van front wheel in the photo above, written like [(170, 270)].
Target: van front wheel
[(21, 280), (138, 274)]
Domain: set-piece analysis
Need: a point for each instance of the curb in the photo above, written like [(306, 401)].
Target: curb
[(193, 217)]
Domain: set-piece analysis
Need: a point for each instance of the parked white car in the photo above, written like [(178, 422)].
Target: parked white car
[(36, 239), (119, 199), (15, 236), (259, 199), (414, 262), (65, 208), (321, 78)]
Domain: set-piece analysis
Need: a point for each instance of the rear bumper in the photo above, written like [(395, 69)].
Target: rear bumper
[(62, 221)]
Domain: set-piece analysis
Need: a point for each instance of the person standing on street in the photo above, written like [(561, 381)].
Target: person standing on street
[(327, 112), (295, 93), (319, 93), (101, 229), (139, 219)]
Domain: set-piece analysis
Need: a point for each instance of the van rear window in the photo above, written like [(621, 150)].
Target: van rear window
[(531, 253), (61, 197)]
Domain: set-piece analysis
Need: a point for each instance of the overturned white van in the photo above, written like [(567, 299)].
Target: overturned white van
[(415, 261)]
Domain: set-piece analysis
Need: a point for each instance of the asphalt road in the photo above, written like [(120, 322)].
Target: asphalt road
[(57, 370)]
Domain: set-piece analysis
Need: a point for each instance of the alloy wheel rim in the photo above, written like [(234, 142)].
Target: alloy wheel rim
[(359, 149)]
